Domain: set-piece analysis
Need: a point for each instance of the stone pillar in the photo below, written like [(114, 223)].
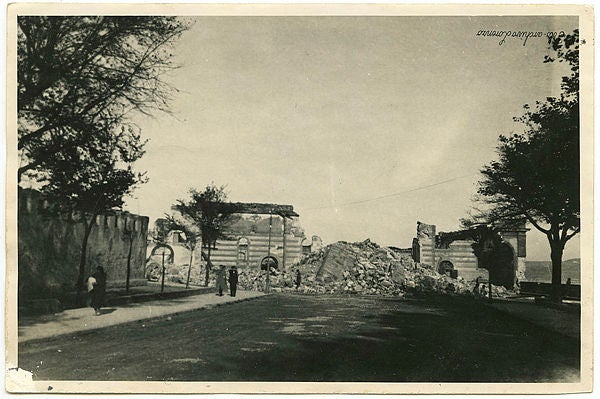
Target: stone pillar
[(283, 254), (426, 238)]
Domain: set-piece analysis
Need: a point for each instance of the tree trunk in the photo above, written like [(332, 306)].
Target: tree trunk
[(129, 262), (187, 283), (207, 274), (556, 252), (82, 259)]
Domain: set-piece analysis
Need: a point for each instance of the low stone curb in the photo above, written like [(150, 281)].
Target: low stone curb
[(143, 320), (146, 297), (205, 307)]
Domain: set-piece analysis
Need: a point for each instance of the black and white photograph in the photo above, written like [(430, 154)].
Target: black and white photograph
[(299, 198)]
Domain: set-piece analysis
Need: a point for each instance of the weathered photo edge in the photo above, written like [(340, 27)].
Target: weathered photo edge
[(17, 381)]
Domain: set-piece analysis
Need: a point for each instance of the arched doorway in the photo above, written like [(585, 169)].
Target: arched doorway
[(503, 272), (160, 254), (269, 261), (445, 267), (159, 249)]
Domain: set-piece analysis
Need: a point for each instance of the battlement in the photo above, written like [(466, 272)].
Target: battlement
[(50, 246), (32, 201)]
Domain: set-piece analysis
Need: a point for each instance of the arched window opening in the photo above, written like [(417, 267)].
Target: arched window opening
[(446, 267), (243, 250), (269, 262)]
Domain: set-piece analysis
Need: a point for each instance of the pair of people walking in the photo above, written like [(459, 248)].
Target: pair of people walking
[(222, 284)]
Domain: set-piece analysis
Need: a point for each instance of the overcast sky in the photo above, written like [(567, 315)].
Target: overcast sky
[(364, 124)]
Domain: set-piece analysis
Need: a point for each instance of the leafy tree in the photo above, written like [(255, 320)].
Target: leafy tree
[(86, 183), (209, 213), (79, 78), (536, 175), (159, 235)]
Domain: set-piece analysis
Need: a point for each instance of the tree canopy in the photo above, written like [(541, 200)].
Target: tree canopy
[(536, 175), (79, 78), (209, 211), (90, 180), (86, 182), (207, 214)]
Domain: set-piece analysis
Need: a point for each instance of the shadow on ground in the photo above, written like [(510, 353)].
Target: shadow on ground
[(304, 338)]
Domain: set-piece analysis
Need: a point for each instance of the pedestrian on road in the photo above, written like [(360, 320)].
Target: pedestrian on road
[(91, 281), (476, 288), (98, 291), (298, 278), (233, 280), (221, 283)]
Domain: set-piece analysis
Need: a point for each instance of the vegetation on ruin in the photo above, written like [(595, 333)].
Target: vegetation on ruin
[(205, 214), (536, 175), (191, 236)]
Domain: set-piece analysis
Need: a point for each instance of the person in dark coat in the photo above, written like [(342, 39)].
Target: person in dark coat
[(233, 280), (298, 278), (221, 283), (98, 291)]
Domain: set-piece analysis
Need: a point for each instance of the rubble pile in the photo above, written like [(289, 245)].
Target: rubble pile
[(362, 268), (175, 273), (253, 279)]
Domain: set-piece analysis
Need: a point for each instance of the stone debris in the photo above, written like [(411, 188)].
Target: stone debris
[(362, 268), (175, 273)]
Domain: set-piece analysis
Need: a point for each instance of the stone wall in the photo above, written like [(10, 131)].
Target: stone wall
[(50, 247), (459, 252), (248, 244)]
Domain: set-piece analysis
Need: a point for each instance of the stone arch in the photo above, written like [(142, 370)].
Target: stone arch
[(269, 261), (170, 257), (445, 267)]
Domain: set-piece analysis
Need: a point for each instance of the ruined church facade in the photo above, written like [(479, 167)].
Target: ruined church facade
[(261, 234), (453, 253)]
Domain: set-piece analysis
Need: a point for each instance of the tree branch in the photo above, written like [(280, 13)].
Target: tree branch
[(569, 236)]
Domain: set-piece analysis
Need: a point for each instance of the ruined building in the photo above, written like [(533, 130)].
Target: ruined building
[(49, 248), (261, 234), (494, 252), (259, 226)]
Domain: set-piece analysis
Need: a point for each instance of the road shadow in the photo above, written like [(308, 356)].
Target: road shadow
[(420, 340)]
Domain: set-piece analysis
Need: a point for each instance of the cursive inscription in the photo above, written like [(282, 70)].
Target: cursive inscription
[(517, 34)]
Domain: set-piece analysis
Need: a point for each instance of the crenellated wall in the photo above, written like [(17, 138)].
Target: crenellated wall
[(50, 248)]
